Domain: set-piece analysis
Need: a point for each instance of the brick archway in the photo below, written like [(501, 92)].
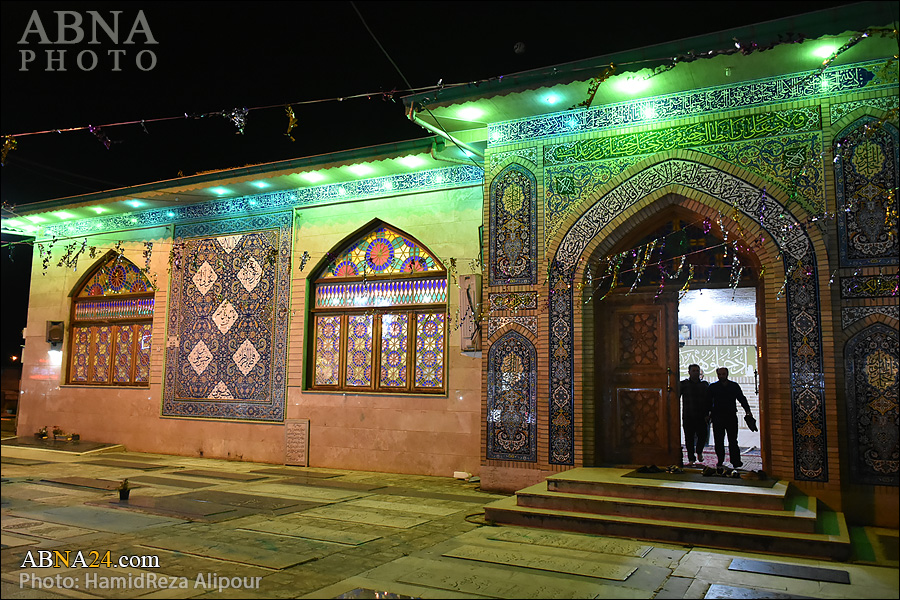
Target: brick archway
[(703, 181)]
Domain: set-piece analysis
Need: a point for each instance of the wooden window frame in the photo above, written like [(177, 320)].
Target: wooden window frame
[(375, 385)]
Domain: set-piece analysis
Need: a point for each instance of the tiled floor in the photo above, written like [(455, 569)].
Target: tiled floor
[(353, 535)]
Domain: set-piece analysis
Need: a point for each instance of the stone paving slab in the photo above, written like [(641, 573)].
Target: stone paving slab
[(49, 531), (22, 462), (570, 541), (168, 506), (393, 587), (124, 464), (9, 540), (88, 482), (337, 536), (789, 570), (133, 455), (423, 509), (170, 481), (296, 472), (218, 475), (249, 501), (729, 591), (344, 485), (269, 551), (468, 498), (369, 517), (301, 492), (97, 518), (496, 581), (545, 559)]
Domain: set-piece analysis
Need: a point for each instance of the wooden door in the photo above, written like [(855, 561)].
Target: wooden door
[(637, 363)]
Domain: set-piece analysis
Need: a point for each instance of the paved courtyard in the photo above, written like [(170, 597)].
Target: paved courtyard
[(197, 528)]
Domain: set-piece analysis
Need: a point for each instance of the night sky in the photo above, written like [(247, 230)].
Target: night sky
[(213, 57)]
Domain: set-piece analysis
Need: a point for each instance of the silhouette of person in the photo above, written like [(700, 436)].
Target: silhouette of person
[(724, 396), (695, 407)]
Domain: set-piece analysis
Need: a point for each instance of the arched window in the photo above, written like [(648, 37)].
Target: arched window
[(379, 318), (111, 323)]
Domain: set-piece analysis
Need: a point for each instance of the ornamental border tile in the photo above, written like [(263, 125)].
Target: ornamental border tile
[(378, 187), (717, 99)]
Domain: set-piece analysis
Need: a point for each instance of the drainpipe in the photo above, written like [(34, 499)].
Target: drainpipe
[(435, 148), (411, 115)]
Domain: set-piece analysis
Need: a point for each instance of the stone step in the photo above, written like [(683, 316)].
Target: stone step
[(611, 482), (798, 514), (831, 540)]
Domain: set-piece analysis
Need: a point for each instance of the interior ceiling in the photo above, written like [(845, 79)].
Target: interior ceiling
[(724, 305)]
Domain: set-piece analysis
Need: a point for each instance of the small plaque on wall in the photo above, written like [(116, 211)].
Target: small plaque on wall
[(296, 442)]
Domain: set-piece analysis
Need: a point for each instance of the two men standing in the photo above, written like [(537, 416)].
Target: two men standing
[(716, 402)]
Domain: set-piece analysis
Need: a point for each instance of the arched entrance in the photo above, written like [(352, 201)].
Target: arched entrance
[(785, 248), (666, 253)]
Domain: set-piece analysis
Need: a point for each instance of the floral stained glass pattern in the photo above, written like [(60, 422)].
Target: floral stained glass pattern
[(382, 252), (359, 351), (430, 350), (103, 347), (328, 345), (394, 342), (116, 276), (382, 293), (111, 328), (142, 369), (124, 357), (81, 348)]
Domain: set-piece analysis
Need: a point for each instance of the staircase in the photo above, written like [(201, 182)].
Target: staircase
[(720, 513)]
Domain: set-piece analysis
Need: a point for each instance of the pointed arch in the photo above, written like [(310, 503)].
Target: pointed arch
[(512, 399), (111, 325), (705, 180), (378, 315)]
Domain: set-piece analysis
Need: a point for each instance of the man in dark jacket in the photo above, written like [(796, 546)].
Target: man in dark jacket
[(694, 413), (724, 396)]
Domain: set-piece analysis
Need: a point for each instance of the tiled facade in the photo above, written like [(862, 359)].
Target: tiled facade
[(801, 173)]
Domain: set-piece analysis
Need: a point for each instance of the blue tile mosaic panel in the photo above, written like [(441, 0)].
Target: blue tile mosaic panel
[(802, 299), (874, 286), (873, 418), (866, 173), (226, 354), (727, 130), (422, 181), (512, 399), (513, 239), (867, 76)]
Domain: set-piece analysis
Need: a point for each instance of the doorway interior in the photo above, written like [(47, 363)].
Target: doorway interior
[(718, 328)]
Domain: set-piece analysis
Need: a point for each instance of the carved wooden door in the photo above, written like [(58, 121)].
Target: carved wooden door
[(637, 360)]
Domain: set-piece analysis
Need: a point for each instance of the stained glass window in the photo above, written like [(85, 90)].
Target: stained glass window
[(111, 326), (380, 317)]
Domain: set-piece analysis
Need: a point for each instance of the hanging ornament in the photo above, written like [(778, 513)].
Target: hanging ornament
[(304, 258), (594, 85), (687, 284), (9, 143), (98, 133), (238, 116), (292, 121)]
